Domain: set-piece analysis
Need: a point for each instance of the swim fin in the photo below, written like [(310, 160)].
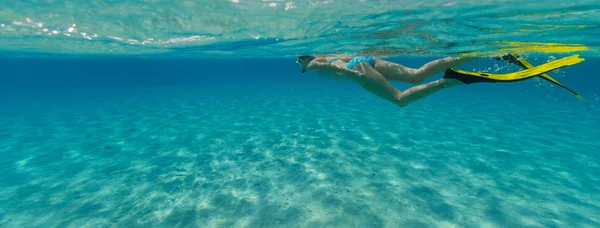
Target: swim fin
[(468, 77), (522, 62)]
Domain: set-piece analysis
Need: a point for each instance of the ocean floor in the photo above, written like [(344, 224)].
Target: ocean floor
[(296, 157)]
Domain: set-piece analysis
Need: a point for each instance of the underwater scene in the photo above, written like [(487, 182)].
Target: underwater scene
[(299, 113)]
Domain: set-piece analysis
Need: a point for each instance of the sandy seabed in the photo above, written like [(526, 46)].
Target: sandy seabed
[(300, 157)]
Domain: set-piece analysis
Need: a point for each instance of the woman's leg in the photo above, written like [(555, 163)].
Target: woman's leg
[(397, 72), (377, 84)]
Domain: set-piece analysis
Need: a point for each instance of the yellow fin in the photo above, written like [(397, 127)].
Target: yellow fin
[(527, 64), (528, 73)]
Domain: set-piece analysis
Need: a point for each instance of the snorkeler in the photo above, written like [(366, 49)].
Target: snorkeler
[(374, 74)]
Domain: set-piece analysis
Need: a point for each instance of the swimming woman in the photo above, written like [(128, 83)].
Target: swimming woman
[(374, 74)]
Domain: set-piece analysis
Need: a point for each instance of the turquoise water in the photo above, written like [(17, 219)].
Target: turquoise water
[(226, 132), (277, 28)]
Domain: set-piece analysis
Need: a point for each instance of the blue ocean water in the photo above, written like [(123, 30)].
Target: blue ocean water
[(162, 143), (194, 114)]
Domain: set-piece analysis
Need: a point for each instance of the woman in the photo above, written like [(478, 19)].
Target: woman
[(374, 74)]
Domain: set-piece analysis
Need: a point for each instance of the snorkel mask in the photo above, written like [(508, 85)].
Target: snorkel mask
[(298, 61)]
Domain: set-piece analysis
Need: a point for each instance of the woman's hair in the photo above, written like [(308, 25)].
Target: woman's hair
[(305, 56)]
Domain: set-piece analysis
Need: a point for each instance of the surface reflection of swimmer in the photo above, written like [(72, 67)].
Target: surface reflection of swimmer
[(374, 74)]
